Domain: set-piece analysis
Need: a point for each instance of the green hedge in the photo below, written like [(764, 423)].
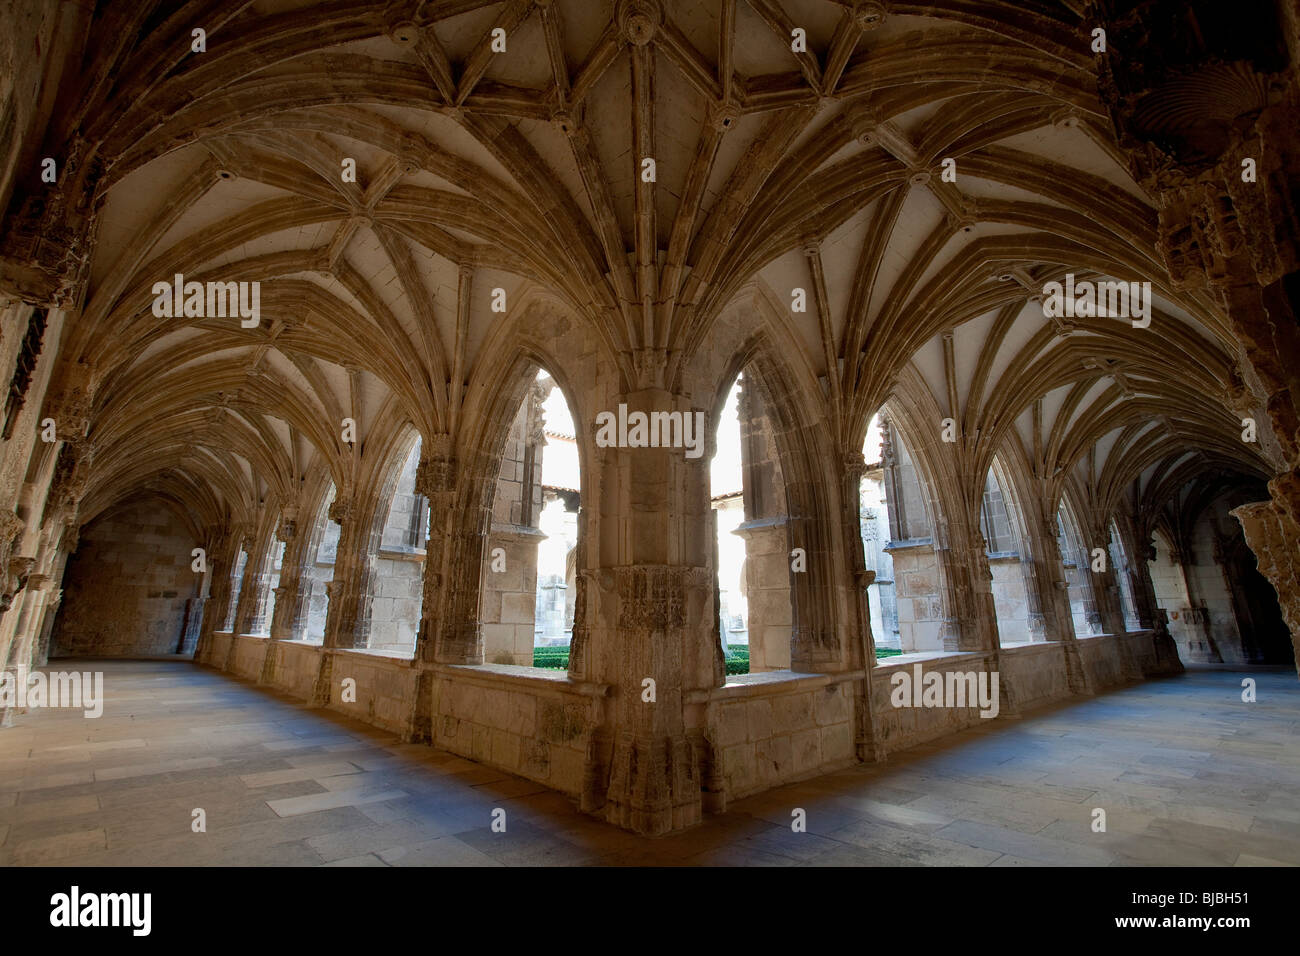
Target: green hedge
[(737, 657), (553, 657)]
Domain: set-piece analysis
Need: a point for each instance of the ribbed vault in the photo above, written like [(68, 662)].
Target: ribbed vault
[(480, 170)]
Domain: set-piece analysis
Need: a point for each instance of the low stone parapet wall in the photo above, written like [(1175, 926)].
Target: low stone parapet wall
[(759, 731)]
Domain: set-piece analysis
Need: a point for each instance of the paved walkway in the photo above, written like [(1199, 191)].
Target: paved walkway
[(1187, 773)]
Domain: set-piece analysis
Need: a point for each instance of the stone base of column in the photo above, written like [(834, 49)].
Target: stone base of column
[(595, 774), (654, 785), (713, 786), (1167, 659), (320, 691), (268, 664), (1008, 704), (228, 665), (419, 721), (1128, 663), (1075, 674), (867, 744)]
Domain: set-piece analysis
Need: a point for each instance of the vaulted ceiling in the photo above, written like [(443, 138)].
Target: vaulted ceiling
[(480, 169)]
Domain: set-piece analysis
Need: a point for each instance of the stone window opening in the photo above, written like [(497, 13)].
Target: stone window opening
[(1015, 596), (396, 590), (318, 570), (265, 609), (1123, 573), (530, 565), (877, 523), (1075, 568), (755, 546), (236, 583), (915, 584), (726, 495)]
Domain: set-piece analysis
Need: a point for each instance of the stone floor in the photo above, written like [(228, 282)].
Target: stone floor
[(1187, 773)]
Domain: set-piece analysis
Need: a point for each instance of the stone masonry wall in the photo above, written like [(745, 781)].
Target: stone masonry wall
[(126, 586), (764, 730), (768, 734)]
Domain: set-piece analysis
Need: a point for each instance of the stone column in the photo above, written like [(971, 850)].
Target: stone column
[(257, 621), (450, 628), (193, 626), (1144, 589), (973, 608), (222, 547), (1104, 587), (30, 602), (975, 616), (1030, 572), (252, 587), (450, 631), (651, 595), (867, 742), (1054, 593), (348, 621), (1109, 604), (42, 654), (1088, 584), (1053, 587), (1113, 616), (289, 620), (1198, 615)]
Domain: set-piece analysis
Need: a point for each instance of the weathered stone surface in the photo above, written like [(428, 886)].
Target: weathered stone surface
[(340, 472)]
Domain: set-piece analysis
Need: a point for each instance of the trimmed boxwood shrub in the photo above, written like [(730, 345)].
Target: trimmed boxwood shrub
[(557, 658)]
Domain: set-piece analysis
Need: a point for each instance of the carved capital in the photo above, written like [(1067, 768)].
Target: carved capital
[(16, 574), (854, 465), (340, 510), (71, 474), (435, 476)]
